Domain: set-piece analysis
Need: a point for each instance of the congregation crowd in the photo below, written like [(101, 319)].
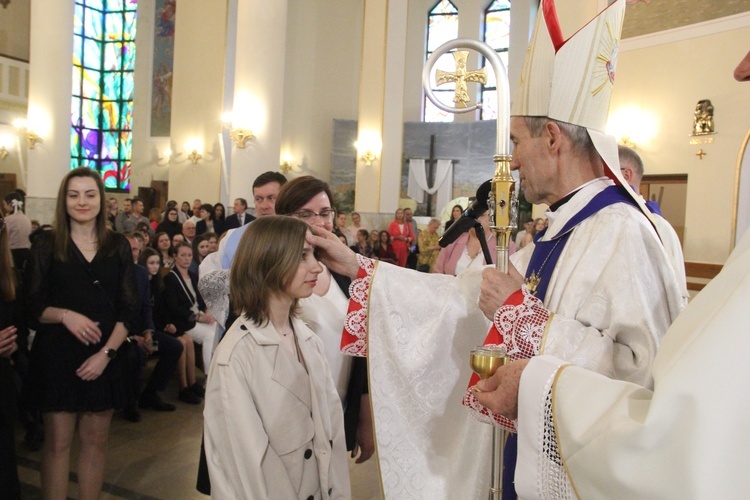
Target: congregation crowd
[(91, 297)]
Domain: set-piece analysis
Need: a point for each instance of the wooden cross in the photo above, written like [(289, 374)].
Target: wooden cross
[(700, 154), (460, 77)]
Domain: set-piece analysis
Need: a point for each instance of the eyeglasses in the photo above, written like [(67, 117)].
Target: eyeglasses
[(325, 215)]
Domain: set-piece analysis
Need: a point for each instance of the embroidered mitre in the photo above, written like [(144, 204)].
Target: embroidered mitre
[(571, 80)]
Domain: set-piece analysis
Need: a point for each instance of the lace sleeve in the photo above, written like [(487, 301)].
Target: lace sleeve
[(214, 287), (552, 481)]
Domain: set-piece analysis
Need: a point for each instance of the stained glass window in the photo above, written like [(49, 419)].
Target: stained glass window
[(497, 36), (102, 105), (442, 25)]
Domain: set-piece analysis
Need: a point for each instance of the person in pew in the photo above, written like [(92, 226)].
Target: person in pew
[(148, 339)]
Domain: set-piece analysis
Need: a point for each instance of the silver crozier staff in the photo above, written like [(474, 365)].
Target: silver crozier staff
[(503, 202)]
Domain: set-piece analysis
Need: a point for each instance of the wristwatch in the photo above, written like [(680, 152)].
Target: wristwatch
[(111, 353)]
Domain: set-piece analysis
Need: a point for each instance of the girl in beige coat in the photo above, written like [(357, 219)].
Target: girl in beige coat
[(273, 419)]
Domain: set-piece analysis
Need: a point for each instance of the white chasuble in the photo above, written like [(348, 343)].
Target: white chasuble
[(611, 297), (685, 439), (421, 334)]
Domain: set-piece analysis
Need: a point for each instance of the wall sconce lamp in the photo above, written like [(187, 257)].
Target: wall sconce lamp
[(287, 163), (165, 158), (194, 156), (3, 153), (368, 157), (368, 148), (239, 136), (32, 138)]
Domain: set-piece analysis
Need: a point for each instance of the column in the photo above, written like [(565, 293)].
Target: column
[(258, 99), (197, 93), (49, 104)]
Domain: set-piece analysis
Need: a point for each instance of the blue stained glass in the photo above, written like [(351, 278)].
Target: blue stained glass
[(91, 84), (111, 83), (77, 50), (444, 7), (127, 87), (113, 26), (110, 115), (94, 4), (128, 30), (78, 19), (103, 72), (112, 59), (499, 5), (92, 55), (92, 24), (128, 56), (76, 81)]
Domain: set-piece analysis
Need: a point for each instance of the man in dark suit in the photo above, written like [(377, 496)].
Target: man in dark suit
[(239, 218)]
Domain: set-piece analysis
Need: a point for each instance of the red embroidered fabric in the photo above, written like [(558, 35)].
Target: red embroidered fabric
[(518, 326), (354, 336)]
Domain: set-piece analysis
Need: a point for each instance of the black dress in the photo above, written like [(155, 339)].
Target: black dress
[(10, 486), (104, 290)]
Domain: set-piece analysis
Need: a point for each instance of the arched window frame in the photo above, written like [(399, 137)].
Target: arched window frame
[(103, 83), (495, 33), (442, 25)]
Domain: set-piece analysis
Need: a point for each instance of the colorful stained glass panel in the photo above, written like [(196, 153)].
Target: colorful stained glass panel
[(102, 115)]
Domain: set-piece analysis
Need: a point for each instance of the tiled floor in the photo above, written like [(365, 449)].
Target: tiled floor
[(158, 458)]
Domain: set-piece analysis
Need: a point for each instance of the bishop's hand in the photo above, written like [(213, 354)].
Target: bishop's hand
[(496, 288), (499, 393), (337, 257)]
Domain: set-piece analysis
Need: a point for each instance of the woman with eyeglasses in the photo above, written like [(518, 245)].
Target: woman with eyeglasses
[(9, 483), (310, 200), (82, 302)]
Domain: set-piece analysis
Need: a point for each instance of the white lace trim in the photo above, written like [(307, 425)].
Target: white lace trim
[(355, 325), (552, 478)]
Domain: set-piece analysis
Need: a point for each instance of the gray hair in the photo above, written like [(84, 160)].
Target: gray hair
[(630, 158), (579, 136)]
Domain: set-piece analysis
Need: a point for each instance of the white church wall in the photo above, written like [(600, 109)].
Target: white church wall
[(15, 27), (666, 81), (197, 97), (322, 74)]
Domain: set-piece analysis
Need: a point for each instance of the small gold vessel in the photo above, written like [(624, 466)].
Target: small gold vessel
[(485, 360)]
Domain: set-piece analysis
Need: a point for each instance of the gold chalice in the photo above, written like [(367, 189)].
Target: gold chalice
[(485, 360)]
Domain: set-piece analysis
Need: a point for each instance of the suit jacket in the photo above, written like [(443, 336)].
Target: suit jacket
[(145, 304), (273, 428), (201, 227), (178, 301), (233, 221)]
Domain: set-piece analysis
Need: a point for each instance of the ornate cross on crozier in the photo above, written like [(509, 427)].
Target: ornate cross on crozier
[(460, 77)]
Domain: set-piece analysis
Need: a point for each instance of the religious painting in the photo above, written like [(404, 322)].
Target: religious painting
[(343, 164), (161, 80)]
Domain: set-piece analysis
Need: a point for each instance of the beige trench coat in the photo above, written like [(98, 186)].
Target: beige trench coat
[(272, 431)]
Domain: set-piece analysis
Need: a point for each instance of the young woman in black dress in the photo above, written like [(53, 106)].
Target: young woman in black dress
[(10, 487), (81, 299)]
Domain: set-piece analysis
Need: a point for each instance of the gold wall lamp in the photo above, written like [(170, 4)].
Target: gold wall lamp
[(3, 153), (239, 136), (32, 138)]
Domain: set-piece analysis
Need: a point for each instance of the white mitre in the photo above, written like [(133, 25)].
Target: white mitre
[(571, 80)]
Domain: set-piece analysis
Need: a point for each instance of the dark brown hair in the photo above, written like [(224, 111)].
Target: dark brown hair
[(295, 193), (7, 274), (61, 224), (267, 257)]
